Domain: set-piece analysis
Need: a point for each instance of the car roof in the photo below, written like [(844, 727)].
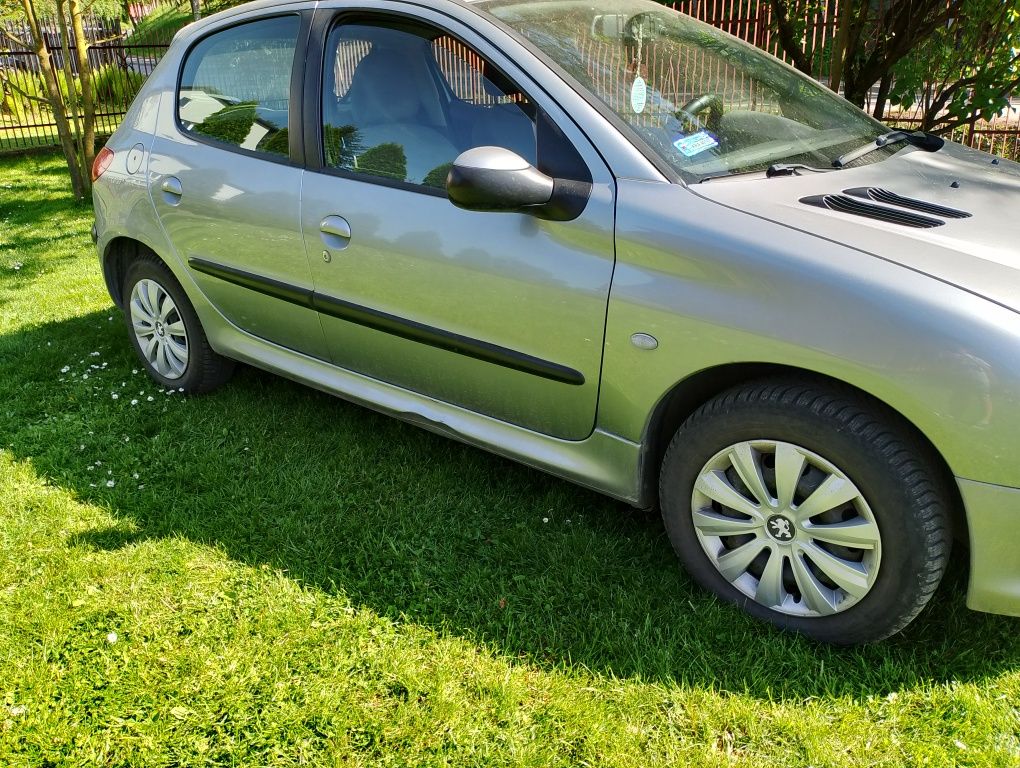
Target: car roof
[(267, 5), (196, 27)]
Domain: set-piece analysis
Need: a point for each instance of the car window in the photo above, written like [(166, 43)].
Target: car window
[(704, 102), (401, 102), (235, 85)]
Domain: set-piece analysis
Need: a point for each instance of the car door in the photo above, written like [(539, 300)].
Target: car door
[(501, 313), (226, 179)]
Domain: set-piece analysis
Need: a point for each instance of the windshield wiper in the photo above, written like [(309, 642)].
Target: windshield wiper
[(917, 138), (776, 169), (792, 169)]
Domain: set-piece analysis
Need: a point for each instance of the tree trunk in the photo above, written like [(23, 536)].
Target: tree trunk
[(854, 91), (81, 49), (55, 100), (73, 103), (883, 95), (792, 47), (839, 44), (196, 10)]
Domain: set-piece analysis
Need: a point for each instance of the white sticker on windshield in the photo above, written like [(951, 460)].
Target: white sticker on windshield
[(638, 95), (695, 144)]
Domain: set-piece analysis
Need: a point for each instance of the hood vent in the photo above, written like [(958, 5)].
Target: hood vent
[(857, 207), (891, 198)]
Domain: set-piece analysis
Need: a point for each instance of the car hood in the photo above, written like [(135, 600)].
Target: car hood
[(979, 253)]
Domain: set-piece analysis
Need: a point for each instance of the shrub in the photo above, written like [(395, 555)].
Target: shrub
[(116, 86), (15, 105), (69, 92)]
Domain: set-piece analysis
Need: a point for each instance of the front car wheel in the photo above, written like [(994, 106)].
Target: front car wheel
[(809, 507)]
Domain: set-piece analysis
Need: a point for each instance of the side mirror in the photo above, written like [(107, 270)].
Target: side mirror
[(496, 179)]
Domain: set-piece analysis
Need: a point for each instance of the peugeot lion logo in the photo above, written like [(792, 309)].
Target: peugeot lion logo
[(780, 528)]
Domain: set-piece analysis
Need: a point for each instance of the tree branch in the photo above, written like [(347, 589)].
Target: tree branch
[(15, 40), (22, 92), (791, 46), (946, 123)]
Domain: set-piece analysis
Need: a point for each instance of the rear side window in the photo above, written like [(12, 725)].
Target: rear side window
[(235, 85)]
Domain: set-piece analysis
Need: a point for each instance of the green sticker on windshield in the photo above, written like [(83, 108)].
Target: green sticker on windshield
[(695, 144)]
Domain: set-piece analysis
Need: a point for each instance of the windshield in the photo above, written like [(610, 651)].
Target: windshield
[(705, 102)]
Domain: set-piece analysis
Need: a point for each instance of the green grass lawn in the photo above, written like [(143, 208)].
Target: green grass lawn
[(270, 576)]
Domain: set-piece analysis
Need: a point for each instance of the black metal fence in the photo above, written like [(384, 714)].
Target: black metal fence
[(122, 54)]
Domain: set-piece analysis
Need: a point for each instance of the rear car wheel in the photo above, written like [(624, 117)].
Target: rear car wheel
[(166, 332), (809, 507)]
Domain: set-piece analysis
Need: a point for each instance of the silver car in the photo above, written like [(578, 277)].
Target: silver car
[(610, 242)]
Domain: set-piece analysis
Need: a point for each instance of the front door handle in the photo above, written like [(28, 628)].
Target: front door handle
[(336, 232), (336, 226)]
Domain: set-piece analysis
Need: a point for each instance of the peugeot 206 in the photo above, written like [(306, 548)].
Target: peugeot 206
[(610, 242)]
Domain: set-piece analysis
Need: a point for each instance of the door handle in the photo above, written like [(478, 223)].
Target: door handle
[(336, 233), (172, 186), (336, 226)]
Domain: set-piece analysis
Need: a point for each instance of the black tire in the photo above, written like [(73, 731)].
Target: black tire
[(895, 473), (205, 370)]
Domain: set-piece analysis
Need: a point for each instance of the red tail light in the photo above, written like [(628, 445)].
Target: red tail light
[(101, 163)]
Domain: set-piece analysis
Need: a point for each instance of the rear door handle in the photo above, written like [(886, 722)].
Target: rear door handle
[(172, 190), (336, 232), (172, 186)]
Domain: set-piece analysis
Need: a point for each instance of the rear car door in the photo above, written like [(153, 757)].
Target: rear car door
[(501, 313), (225, 177)]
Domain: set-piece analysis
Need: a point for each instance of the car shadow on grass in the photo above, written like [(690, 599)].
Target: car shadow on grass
[(422, 529)]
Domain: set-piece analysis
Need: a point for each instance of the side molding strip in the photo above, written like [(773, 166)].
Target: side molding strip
[(257, 283), (391, 324)]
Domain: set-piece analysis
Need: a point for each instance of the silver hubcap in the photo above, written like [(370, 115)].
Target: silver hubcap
[(159, 328), (786, 527)]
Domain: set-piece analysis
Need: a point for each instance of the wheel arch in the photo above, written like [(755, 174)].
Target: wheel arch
[(689, 394), (118, 255)]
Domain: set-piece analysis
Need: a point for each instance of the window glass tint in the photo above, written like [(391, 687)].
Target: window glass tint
[(402, 103), (706, 103), (235, 86)]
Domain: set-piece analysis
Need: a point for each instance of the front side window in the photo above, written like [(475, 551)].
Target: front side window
[(235, 85), (705, 103), (401, 102)]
